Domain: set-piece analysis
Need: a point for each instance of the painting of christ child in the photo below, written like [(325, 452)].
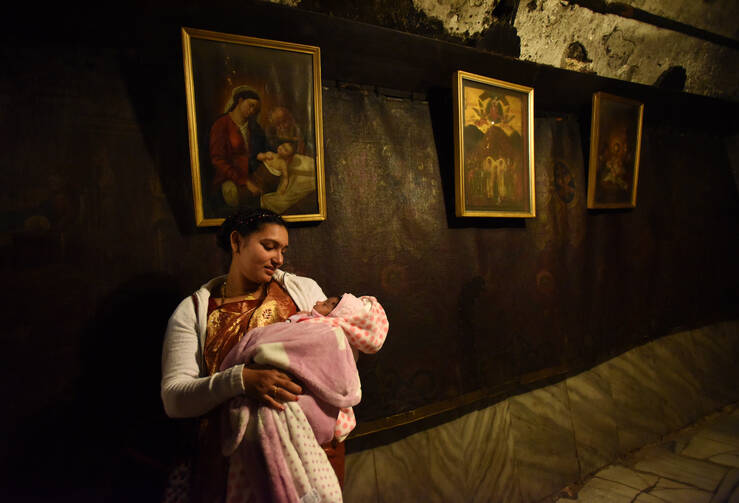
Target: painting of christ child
[(495, 154), (614, 152), (255, 131)]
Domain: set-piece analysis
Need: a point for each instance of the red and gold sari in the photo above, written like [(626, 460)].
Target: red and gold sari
[(227, 323)]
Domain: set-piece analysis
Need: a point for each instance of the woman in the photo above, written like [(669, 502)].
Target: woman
[(205, 326), (235, 140)]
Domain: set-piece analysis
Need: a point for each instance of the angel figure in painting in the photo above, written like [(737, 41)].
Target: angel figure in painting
[(489, 168)]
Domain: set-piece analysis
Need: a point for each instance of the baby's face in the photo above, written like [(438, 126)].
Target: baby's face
[(326, 306), (285, 150)]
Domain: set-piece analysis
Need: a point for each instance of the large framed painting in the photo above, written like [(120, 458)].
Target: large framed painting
[(494, 147), (255, 126), (615, 143)]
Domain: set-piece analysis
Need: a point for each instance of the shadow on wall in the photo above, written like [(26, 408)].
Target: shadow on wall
[(440, 105), (112, 440), (154, 82)]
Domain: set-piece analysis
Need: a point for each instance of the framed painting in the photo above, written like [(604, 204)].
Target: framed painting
[(494, 147), (615, 143), (255, 126)]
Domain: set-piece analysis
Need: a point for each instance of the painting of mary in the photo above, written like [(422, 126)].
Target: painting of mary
[(236, 138), (254, 114)]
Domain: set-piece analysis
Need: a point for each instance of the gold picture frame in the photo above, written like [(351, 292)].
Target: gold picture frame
[(615, 146), (494, 147), (255, 126)]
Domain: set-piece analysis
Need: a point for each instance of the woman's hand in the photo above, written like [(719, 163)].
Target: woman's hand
[(269, 386)]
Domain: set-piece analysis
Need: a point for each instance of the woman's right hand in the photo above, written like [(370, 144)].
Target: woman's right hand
[(270, 386)]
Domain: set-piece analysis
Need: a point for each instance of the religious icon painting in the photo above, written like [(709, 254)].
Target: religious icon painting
[(615, 143), (255, 126), (494, 147)]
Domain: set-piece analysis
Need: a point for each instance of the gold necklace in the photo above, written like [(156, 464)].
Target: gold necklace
[(224, 289), (223, 292)]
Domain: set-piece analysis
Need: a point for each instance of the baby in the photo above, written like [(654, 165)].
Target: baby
[(316, 349), (331, 308), (306, 348), (277, 162), (321, 308)]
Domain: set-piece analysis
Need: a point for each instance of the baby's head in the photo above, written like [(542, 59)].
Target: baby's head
[(326, 306), (345, 306), (286, 149)]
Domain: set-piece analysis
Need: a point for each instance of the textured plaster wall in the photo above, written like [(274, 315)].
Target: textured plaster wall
[(460, 17), (716, 16), (550, 30), (622, 48)]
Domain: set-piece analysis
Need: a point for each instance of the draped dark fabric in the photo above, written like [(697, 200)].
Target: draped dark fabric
[(477, 303)]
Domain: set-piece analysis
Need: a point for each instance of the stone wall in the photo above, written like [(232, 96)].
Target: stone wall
[(685, 44), (623, 48)]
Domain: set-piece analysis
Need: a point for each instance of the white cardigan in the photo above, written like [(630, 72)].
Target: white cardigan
[(186, 388)]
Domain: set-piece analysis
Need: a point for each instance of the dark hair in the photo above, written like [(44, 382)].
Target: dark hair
[(245, 222), (244, 95)]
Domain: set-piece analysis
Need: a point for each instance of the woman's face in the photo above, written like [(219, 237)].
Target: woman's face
[(258, 255), (248, 107)]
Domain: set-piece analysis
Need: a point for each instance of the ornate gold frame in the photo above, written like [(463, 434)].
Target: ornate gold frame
[(315, 52), (594, 140), (459, 121)]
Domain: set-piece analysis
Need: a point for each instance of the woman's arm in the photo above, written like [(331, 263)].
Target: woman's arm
[(184, 393)]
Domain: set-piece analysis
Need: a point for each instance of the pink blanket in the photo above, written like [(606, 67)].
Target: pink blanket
[(317, 352)]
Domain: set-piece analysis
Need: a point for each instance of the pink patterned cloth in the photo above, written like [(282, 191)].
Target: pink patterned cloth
[(363, 320), (314, 349)]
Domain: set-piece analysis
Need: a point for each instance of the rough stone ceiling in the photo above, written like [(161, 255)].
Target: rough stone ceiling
[(716, 16), (627, 49), (691, 45)]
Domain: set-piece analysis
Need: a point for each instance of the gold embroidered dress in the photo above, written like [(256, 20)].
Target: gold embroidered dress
[(227, 324)]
